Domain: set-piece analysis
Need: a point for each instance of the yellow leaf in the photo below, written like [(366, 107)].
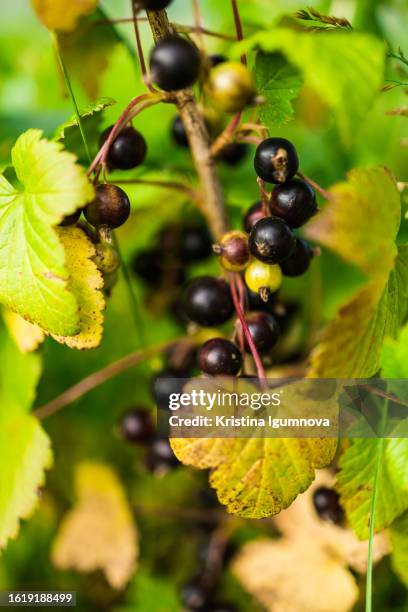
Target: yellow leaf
[(85, 282), (26, 335), (99, 532), (308, 568), (61, 15)]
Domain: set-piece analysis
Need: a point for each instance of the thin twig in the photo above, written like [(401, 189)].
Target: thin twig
[(139, 47), (227, 136), (197, 23), (176, 186), (98, 378), (264, 197), (177, 27), (238, 27), (323, 192)]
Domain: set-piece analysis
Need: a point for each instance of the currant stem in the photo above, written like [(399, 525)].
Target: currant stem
[(227, 136), (139, 47), (264, 197), (323, 192), (233, 278), (164, 184), (238, 27)]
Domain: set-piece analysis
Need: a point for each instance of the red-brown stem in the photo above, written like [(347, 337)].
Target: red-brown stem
[(238, 27), (139, 47), (197, 23), (264, 197), (177, 27), (241, 294), (323, 192), (257, 360), (164, 184), (226, 136)]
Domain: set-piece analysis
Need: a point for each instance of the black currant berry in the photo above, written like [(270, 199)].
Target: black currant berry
[(165, 383), (154, 5), (234, 153), (195, 244), (294, 201), (174, 63), (127, 151), (194, 596), (271, 240), (216, 59), (208, 301), (219, 357), (253, 214), (298, 262), (136, 426), (327, 505), (111, 207), (276, 160), (71, 219), (233, 251), (264, 331), (178, 132), (254, 301), (148, 265), (160, 457)]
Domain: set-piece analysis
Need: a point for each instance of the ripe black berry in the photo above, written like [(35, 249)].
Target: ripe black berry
[(219, 356), (195, 243), (111, 207), (178, 132), (208, 301), (216, 59), (255, 302), (164, 384), (294, 201), (234, 153), (174, 63), (298, 262), (154, 5), (136, 426), (127, 151), (276, 160), (253, 214), (264, 331), (71, 219), (160, 457), (148, 265), (230, 87), (233, 251), (327, 505), (271, 240)]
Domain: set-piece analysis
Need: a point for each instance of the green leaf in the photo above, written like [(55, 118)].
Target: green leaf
[(33, 278), (355, 482), (153, 593), (24, 446), (279, 83), (91, 118), (394, 356), (344, 68), (399, 543)]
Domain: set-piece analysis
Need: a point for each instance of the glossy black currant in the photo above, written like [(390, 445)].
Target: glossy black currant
[(208, 301), (264, 331), (327, 505), (136, 426), (276, 160), (174, 63), (178, 132), (271, 240), (110, 208), (154, 5), (299, 261), (160, 457), (294, 201), (195, 243), (219, 356), (254, 301), (148, 265), (234, 153), (252, 215), (127, 151)]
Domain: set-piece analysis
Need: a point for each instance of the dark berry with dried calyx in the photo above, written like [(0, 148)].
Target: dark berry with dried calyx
[(294, 201), (178, 132), (127, 150), (253, 214), (174, 63), (234, 153), (136, 426), (276, 160), (154, 5), (264, 331), (233, 251), (271, 240), (299, 261), (219, 356), (71, 219), (255, 302), (327, 505), (160, 457), (208, 301), (195, 243), (110, 208)]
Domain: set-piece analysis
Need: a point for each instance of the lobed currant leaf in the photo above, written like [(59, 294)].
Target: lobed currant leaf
[(27, 336), (33, 278), (60, 15)]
